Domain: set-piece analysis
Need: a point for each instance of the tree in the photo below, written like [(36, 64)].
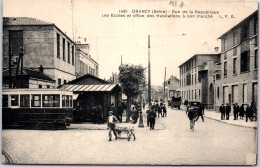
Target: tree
[(131, 77)]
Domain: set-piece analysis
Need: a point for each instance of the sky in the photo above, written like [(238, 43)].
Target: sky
[(173, 40)]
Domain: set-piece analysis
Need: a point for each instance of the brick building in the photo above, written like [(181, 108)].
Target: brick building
[(84, 63), (43, 43), (237, 82), (196, 76)]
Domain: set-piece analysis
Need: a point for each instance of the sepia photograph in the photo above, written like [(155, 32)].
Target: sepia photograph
[(130, 82)]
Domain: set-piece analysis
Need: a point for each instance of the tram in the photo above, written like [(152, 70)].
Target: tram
[(37, 108)]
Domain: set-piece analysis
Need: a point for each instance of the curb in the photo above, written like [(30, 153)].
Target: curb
[(229, 123), (226, 122)]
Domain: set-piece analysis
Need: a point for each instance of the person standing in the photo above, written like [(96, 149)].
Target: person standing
[(152, 119), (241, 111), (111, 123), (248, 113), (164, 111), (227, 110), (201, 113), (157, 109), (235, 111), (222, 111), (254, 111), (148, 112), (202, 107)]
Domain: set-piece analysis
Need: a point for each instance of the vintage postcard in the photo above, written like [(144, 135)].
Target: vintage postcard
[(140, 82)]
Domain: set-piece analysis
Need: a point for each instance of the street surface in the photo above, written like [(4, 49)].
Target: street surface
[(212, 143)]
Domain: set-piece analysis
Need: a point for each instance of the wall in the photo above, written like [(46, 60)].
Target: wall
[(84, 59), (239, 78), (38, 46), (200, 89), (65, 69), (34, 83)]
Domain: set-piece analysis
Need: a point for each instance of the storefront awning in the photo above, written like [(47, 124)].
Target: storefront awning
[(89, 88)]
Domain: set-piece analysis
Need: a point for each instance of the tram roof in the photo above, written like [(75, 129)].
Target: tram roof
[(89, 88), (34, 91)]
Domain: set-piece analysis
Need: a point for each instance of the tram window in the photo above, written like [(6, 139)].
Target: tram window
[(5, 101), (70, 101), (24, 100), (14, 100), (67, 101), (36, 100), (63, 101), (51, 101)]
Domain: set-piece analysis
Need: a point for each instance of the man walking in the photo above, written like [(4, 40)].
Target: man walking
[(158, 109), (164, 111), (227, 109), (152, 119), (222, 111)]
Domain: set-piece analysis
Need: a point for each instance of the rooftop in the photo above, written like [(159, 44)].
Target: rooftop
[(29, 21), (24, 21), (241, 22), (198, 55), (28, 72)]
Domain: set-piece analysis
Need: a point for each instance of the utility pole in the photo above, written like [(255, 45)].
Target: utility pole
[(164, 85), (149, 73), (121, 59), (17, 68), (72, 21)]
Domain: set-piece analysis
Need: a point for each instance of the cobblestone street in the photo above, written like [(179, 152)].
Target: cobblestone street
[(171, 142)]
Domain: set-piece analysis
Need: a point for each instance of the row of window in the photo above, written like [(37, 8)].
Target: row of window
[(63, 50), (245, 31), (47, 100), (244, 63), (232, 95), (85, 69), (190, 80), (190, 94), (188, 66)]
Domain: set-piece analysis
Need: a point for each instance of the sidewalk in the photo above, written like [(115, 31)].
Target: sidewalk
[(215, 115)]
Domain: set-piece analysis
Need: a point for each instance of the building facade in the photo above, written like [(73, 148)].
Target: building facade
[(93, 98), (172, 85), (43, 43), (84, 63), (237, 81), (195, 76)]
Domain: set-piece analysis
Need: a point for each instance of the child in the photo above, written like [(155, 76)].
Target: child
[(111, 123)]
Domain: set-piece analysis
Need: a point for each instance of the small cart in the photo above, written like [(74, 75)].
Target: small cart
[(125, 128)]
